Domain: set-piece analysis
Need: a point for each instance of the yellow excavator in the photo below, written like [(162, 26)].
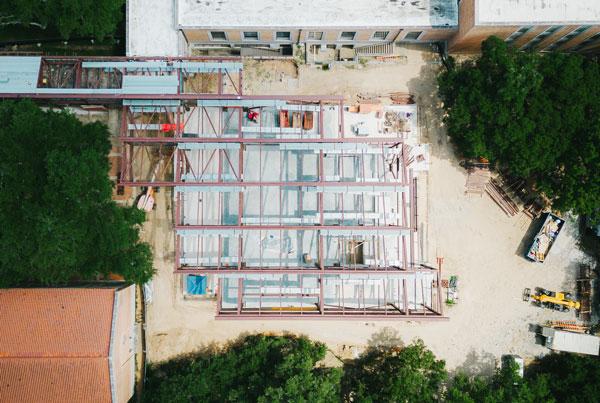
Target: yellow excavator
[(559, 301)]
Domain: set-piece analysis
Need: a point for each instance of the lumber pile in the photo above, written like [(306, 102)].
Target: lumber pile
[(499, 195), (584, 292), (402, 98), (533, 209), (477, 180)]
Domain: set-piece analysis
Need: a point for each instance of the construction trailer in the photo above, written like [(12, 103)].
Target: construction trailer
[(561, 340), (289, 206)]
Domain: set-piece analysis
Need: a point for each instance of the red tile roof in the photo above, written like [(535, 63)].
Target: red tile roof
[(55, 322), (53, 380), (54, 344)]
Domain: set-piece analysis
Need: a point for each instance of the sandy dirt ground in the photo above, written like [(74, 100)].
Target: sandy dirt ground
[(478, 242)]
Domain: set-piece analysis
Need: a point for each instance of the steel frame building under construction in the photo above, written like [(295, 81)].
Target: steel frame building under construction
[(290, 206)]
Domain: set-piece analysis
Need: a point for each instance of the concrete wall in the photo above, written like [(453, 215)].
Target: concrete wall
[(470, 41), (330, 36), (123, 344), (435, 35), (466, 17)]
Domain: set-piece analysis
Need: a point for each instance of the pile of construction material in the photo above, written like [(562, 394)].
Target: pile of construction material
[(584, 291), (501, 195), (402, 98), (477, 180), (545, 238), (397, 122)]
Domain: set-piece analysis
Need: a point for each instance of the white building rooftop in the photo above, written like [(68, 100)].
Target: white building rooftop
[(151, 29), (537, 12), (225, 14)]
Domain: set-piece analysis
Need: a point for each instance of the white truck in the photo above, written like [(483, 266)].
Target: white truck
[(561, 340)]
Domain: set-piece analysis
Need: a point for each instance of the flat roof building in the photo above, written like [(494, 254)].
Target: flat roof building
[(538, 12), (316, 13), (354, 28), (540, 25), (239, 24)]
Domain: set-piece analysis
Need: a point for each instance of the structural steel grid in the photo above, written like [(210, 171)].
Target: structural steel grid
[(291, 214)]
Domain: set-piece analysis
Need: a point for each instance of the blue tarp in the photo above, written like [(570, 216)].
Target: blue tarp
[(196, 285)]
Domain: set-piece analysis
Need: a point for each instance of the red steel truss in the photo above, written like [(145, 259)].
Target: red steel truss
[(204, 151), (241, 207), (101, 79)]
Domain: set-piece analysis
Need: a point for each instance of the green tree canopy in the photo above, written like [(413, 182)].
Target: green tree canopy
[(262, 368), (97, 18), (392, 374), (506, 386), (535, 116), (57, 217), (571, 378), (257, 368)]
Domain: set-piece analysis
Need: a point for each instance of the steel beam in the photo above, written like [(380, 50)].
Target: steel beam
[(329, 270), (316, 315), (249, 140), (268, 227), (258, 184)]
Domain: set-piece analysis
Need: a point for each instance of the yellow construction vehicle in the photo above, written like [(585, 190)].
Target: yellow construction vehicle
[(559, 301)]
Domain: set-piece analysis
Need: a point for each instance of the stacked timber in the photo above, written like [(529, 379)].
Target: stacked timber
[(584, 292), (502, 198)]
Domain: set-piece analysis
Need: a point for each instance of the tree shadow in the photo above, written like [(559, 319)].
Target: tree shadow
[(213, 348), (424, 88), (387, 337), (477, 364), (589, 243), (536, 329)]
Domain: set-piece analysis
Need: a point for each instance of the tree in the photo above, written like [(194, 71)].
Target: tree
[(57, 217), (256, 368), (535, 117), (97, 18), (571, 378), (506, 386), (384, 374)]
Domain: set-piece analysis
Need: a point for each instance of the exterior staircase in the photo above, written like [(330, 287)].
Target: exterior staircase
[(379, 49), (260, 52)]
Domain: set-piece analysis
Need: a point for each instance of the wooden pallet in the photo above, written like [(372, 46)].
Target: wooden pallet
[(477, 180)]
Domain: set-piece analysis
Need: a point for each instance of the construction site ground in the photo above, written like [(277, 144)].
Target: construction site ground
[(479, 244)]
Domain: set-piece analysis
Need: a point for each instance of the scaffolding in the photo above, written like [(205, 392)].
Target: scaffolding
[(291, 206), (64, 78)]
